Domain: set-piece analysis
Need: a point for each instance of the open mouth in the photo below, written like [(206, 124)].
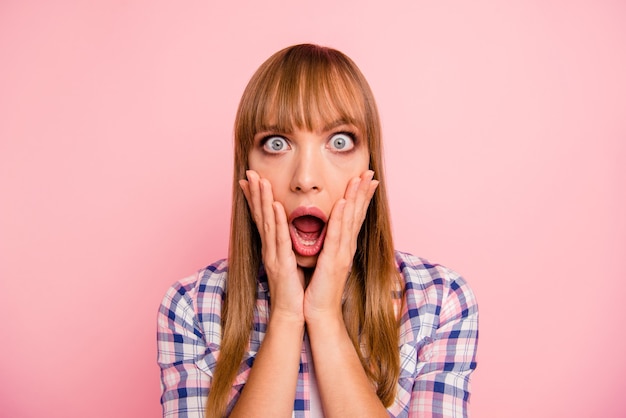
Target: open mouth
[(307, 234)]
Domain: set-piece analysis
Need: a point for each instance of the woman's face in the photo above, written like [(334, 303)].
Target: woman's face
[(309, 173)]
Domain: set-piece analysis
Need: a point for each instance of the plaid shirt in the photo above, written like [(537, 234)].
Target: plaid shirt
[(438, 338)]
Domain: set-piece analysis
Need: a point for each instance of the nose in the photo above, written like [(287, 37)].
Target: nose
[(308, 172)]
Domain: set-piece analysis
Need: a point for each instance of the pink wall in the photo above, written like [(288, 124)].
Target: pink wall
[(505, 127)]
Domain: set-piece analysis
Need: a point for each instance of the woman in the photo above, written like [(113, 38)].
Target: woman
[(314, 313)]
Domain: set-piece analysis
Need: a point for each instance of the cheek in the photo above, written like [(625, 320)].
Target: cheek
[(345, 173), (337, 188), (272, 172), (279, 182)]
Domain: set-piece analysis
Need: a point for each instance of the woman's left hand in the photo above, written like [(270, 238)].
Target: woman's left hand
[(323, 296)]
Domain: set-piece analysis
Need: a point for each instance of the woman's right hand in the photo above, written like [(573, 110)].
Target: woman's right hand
[(272, 382), (286, 280)]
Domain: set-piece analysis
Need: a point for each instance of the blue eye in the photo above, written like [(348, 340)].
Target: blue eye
[(342, 141), (275, 144)]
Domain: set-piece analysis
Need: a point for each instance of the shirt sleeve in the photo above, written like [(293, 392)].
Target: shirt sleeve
[(180, 344), (442, 389)]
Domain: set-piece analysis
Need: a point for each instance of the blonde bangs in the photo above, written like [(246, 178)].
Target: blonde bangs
[(312, 100), (304, 89)]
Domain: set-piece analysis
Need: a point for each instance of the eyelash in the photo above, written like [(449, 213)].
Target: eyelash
[(263, 142), (349, 134), (266, 139)]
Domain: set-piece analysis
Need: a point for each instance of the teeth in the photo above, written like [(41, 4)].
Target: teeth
[(304, 241)]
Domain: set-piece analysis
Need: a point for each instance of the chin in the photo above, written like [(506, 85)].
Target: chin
[(306, 261)]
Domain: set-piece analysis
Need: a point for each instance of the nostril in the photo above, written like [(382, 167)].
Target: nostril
[(305, 186)]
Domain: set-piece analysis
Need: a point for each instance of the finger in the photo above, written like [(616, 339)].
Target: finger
[(352, 191), (334, 230), (269, 221), (359, 189), (254, 200), (283, 239), (349, 228), (358, 195), (352, 188), (355, 196), (338, 253), (364, 195), (349, 214), (245, 188), (372, 189), (364, 186)]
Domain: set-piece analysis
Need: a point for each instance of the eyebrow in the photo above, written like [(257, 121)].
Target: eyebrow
[(273, 128), (328, 127), (334, 124)]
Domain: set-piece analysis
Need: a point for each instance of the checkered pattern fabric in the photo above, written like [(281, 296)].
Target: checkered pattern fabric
[(437, 347)]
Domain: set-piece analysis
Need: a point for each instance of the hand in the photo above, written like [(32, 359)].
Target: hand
[(323, 297), (286, 280)]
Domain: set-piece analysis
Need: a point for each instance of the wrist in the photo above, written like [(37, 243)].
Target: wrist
[(286, 318), (325, 322)]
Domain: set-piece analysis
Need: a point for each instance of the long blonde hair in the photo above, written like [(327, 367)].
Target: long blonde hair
[(304, 86)]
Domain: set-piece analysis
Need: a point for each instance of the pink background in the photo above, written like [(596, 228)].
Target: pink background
[(505, 143)]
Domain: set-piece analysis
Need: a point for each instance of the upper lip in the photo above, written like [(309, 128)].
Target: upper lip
[(307, 210)]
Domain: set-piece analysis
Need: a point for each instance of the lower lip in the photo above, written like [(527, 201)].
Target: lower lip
[(306, 249)]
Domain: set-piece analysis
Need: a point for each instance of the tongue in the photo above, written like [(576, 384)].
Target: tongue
[(308, 224)]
